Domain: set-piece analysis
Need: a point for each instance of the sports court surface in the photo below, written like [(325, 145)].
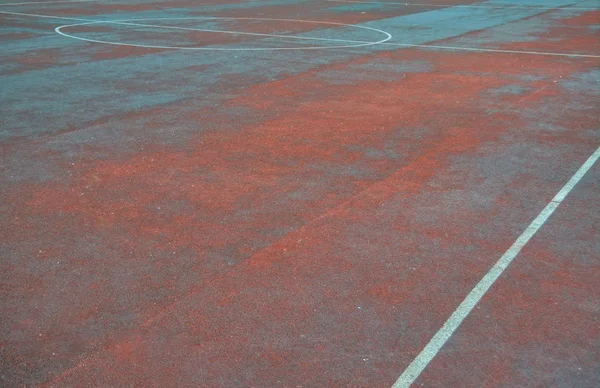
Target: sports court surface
[(289, 193)]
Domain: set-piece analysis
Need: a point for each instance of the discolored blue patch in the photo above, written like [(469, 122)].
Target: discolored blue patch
[(513, 90), (54, 99), (583, 82)]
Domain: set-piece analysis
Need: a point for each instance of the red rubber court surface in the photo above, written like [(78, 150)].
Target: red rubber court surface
[(299, 193)]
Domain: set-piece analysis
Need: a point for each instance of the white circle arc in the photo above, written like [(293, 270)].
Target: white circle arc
[(133, 22)]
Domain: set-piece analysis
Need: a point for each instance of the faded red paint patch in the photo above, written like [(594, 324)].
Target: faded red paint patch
[(16, 35), (38, 59), (537, 327), (279, 193), (564, 37), (96, 9), (583, 44), (314, 127), (128, 351), (108, 52), (590, 18), (318, 12)]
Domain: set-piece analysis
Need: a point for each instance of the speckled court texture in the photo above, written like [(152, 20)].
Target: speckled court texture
[(299, 193)]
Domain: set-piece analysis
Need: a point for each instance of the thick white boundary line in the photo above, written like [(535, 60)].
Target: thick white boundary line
[(48, 2), (424, 46), (458, 316), (487, 5)]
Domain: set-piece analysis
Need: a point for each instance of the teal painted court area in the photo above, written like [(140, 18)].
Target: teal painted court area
[(104, 95), (299, 193)]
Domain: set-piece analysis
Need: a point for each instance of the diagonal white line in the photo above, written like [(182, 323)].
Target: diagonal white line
[(412, 372)]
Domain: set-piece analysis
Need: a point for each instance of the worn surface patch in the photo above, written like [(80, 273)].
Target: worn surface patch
[(294, 217)]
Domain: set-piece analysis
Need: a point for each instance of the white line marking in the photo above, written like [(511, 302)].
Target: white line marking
[(485, 50), (48, 2), (424, 46), (494, 6), (417, 366), (128, 22)]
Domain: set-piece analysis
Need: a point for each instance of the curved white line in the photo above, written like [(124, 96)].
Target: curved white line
[(132, 22), (425, 46)]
